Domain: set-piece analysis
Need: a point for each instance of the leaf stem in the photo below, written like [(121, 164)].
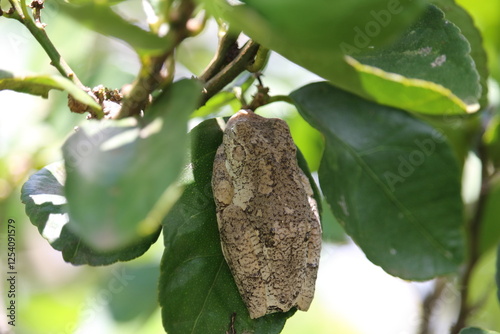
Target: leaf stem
[(281, 98)]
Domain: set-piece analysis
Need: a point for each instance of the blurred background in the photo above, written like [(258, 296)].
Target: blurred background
[(353, 296)]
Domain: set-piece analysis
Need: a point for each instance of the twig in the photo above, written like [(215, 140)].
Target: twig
[(260, 98), (37, 6), (150, 76), (226, 52), (260, 61), (19, 12), (230, 71), (429, 305), (473, 256), (40, 35), (280, 98)]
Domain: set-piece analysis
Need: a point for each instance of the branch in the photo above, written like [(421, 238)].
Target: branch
[(19, 12), (230, 71), (430, 303), (473, 256), (261, 59), (281, 98), (150, 76), (38, 31), (224, 55)]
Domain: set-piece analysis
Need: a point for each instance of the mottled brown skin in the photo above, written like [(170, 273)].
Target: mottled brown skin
[(267, 216)]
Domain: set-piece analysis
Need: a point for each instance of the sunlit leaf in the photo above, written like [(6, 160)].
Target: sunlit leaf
[(120, 173), (42, 84), (463, 20), (432, 49)]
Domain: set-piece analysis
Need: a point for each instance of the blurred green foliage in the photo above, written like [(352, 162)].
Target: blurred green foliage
[(57, 298)]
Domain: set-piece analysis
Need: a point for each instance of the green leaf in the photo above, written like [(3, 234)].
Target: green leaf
[(462, 19), (307, 138), (43, 195), (476, 330), (460, 131), (397, 91), (301, 161), (322, 50), (121, 175), (42, 84), (101, 18), (136, 293), (432, 49), (215, 104), (197, 291), (491, 139), (332, 230), (497, 278), (310, 23), (391, 180), (489, 234)]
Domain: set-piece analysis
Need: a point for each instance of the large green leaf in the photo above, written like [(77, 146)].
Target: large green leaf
[(432, 49), (46, 206), (460, 131), (292, 29), (119, 172), (462, 19), (196, 289), (319, 25), (391, 180), (476, 330), (42, 84)]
